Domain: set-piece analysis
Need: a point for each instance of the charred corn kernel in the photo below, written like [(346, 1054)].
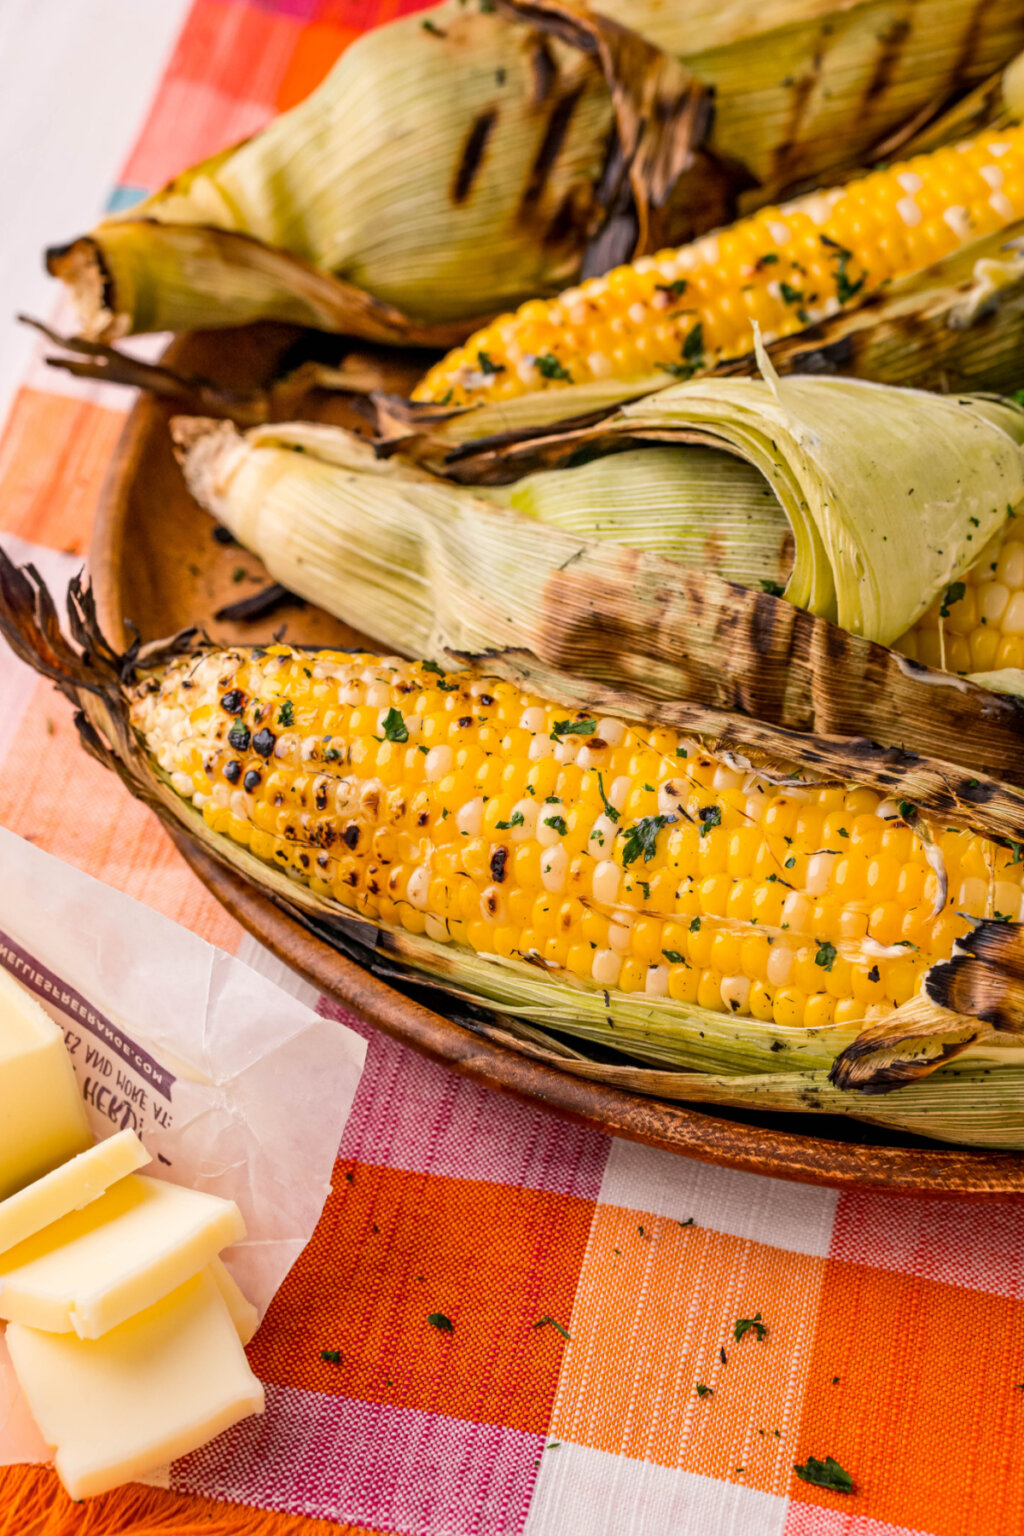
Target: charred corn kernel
[(667, 905), (685, 310)]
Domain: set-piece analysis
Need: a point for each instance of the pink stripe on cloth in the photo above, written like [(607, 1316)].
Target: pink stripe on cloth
[(334, 1458), (415, 1114), (812, 1520), (977, 1247)]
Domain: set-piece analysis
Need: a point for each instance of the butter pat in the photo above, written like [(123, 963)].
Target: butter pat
[(42, 1119), (243, 1314), (94, 1268), (158, 1386), (70, 1187)]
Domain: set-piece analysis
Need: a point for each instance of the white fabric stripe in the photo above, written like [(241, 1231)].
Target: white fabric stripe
[(797, 1217), (18, 682), (583, 1490), (76, 82)]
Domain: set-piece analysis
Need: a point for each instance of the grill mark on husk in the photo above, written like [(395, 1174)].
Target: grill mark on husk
[(473, 154), (550, 145)]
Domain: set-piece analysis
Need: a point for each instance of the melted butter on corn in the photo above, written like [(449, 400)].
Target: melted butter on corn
[(630, 857), (684, 310)]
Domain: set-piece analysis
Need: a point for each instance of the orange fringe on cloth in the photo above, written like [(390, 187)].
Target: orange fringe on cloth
[(33, 1503)]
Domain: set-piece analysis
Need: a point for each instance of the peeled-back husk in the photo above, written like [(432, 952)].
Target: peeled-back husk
[(712, 1057), (445, 570), (455, 164)]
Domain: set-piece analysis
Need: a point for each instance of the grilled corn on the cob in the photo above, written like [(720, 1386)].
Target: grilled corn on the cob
[(630, 858), (683, 312)]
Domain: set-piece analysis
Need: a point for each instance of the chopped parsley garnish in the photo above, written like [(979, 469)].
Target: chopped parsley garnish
[(432, 26), (1001, 917), (790, 294), (703, 1391), (692, 355), (549, 367), (790, 862), (674, 290), (609, 809), (769, 259), (395, 728), (773, 588), (332, 1356), (515, 820), (448, 687), (846, 289), (642, 838), (674, 956), (559, 824), (574, 728), (486, 365), (825, 1474), (442, 1323), (285, 714), (710, 816), (681, 752), (749, 1325), (432, 666), (826, 956), (695, 925), (843, 832), (907, 810), (545, 1322), (954, 592)]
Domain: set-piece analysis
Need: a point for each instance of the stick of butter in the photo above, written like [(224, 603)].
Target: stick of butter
[(42, 1118), (69, 1187), (159, 1385), (243, 1314), (94, 1268)]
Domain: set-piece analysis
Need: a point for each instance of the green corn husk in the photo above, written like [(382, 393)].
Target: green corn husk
[(711, 1057), (356, 211), (447, 569)]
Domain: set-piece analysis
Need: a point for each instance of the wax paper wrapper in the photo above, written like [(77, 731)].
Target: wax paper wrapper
[(233, 1085)]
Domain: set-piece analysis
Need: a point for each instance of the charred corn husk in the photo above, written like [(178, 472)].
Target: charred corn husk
[(452, 165), (584, 873), (687, 311)]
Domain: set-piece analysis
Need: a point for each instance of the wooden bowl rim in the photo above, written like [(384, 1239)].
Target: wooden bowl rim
[(945, 1171)]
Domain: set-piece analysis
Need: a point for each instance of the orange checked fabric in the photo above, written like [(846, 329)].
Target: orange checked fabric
[(506, 1325)]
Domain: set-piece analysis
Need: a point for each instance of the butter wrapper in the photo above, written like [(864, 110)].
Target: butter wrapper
[(233, 1084)]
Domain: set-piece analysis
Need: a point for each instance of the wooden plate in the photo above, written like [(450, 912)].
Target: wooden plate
[(157, 566)]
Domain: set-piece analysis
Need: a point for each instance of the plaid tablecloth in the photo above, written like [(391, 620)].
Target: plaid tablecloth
[(895, 1327)]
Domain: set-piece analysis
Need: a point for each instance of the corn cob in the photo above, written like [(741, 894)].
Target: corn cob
[(683, 312), (629, 858)]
